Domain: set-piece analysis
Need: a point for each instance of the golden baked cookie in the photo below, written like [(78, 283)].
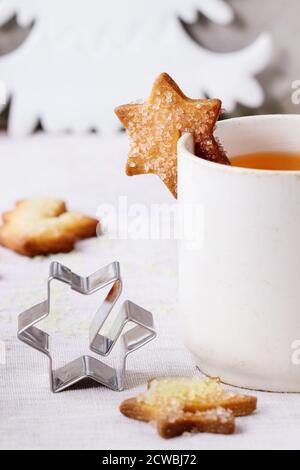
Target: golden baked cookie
[(181, 404), (43, 226), (155, 126), (216, 421)]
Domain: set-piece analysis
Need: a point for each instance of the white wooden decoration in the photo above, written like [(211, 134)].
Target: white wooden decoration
[(84, 57)]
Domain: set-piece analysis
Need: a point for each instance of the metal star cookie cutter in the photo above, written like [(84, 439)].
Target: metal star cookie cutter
[(102, 338)]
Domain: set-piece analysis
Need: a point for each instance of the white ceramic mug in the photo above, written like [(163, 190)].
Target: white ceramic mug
[(240, 285)]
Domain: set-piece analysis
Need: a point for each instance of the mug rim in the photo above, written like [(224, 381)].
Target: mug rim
[(186, 142)]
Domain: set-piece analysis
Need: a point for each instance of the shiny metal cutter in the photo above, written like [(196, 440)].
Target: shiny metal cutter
[(102, 338)]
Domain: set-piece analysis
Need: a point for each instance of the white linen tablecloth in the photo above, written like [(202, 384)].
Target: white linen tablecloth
[(87, 172)]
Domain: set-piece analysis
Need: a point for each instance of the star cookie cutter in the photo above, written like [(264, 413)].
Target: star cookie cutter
[(102, 339)]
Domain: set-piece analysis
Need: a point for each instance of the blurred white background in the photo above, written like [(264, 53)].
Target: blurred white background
[(66, 64)]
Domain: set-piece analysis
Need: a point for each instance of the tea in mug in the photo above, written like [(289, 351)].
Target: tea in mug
[(277, 161)]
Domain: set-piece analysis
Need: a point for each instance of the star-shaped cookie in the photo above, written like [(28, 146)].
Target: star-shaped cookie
[(155, 126), (43, 226)]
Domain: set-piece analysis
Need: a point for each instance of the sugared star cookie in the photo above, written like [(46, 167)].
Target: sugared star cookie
[(155, 126)]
